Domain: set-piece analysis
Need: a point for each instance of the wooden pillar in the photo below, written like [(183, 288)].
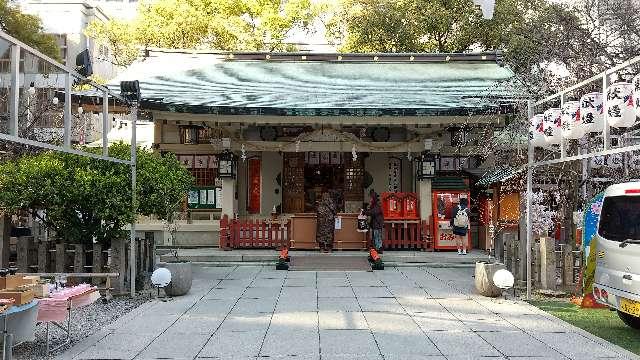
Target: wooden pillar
[(61, 258), (22, 249), (78, 258), (118, 264), (97, 264), (43, 256), (228, 197)]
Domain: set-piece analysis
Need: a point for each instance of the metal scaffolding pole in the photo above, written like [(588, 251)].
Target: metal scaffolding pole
[(530, 157), (134, 160)]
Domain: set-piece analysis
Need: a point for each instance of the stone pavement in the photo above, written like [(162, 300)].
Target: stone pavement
[(396, 314)]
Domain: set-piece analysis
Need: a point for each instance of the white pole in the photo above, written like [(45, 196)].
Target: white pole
[(530, 156), (14, 89), (105, 124), (132, 244)]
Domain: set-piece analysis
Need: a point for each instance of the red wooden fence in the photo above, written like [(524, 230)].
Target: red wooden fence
[(258, 234), (253, 234), (407, 234)]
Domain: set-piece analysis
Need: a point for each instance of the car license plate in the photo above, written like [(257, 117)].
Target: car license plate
[(630, 306)]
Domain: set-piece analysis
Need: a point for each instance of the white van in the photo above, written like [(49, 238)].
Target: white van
[(617, 242)]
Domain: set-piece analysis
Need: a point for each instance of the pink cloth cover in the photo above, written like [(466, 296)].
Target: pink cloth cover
[(54, 308)]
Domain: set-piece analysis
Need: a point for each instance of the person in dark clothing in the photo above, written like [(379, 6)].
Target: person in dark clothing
[(377, 220), (460, 225), (326, 222)]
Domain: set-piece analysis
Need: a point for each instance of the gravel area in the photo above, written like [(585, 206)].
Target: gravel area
[(85, 322)]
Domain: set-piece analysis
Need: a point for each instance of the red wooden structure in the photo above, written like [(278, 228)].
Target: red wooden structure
[(253, 234), (260, 234)]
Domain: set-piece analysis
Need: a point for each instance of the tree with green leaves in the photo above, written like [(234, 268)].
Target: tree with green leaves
[(82, 199), (28, 29), (206, 24)]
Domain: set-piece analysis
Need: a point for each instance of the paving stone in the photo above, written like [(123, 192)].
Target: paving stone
[(391, 323), (486, 322), (407, 292), (267, 283), (342, 321), (291, 293), (371, 292), (236, 344), (518, 344), (328, 282), (149, 324), (168, 347), (465, 307), (332, 274), (246, 322), (300, 274), (338, 304), (173, 307), (111, 347), (291, 341), (476, 357), (389, 305), (575, 346), (214, 307), (254, 306), (261, 293), (439, 322), (196, 324), (402, 343), (416, 305), (333, 291), (236, 283), (225, 293), (299, 304), (295, 321), (300, 282), (347, 342), (351, 357), (537, 323), (460, 343)]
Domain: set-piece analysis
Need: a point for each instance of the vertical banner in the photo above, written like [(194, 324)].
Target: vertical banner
[(253, 206)]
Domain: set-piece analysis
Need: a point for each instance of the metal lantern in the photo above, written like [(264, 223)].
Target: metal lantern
[(551, 123), (227, 165), (592, 112), (536, 130), (636, 93), (571, 128), (426, 166), (620, 107)]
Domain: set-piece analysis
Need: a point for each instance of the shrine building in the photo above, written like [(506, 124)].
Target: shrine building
[(266, 134)]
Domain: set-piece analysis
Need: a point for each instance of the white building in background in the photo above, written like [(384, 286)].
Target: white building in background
[(67, 21)]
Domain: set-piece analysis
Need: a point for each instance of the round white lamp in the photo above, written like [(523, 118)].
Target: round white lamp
[(503, 279), (160, 278)]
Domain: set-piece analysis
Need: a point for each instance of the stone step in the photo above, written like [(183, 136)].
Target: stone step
[(217, 257)]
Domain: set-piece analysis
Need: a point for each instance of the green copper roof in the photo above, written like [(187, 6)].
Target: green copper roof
[(214, 83)]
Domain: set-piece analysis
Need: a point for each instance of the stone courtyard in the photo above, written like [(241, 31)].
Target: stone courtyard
[(256, 312)]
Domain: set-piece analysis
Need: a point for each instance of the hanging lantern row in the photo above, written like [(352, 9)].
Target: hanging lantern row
[(577, 118), (615, 161)]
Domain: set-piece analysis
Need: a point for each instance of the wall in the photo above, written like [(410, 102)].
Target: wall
[(271, 167), (377, 164)]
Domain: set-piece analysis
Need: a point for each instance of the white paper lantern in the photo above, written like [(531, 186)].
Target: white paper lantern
[(552, 123), (614, 161), (592, 112), (597, 162), (536, 130), (571, 127), (636, 93), (620, 111)]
